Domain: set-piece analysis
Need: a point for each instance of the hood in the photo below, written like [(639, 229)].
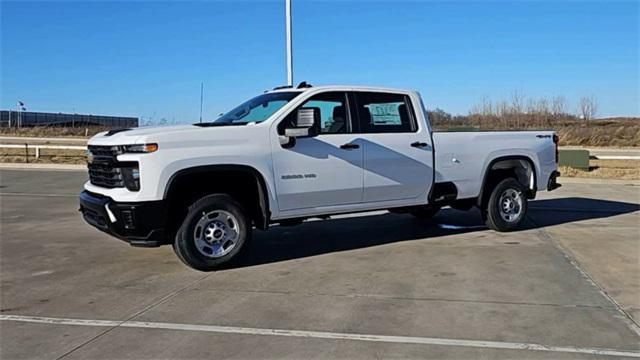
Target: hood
[(146, 130), (164, 134)]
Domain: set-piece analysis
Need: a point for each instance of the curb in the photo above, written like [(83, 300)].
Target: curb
[(24, 166), (577, 180)]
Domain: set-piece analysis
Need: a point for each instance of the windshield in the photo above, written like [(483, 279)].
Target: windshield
[(257, 109)]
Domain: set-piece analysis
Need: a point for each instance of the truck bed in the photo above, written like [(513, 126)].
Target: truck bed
[(462, 157)]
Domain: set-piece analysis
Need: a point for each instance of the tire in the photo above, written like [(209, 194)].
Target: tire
[(426, 212), (215, 233), (507, 206)]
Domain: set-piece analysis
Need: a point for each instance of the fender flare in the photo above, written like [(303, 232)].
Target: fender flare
[(505, 158), (263, 192)]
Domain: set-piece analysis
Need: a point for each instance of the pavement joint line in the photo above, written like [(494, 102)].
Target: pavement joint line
[(119, 323), (503, 345), (387, 297), (605, 211), (624, 316)]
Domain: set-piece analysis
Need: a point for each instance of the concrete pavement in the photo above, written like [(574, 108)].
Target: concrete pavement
[(568, 281)]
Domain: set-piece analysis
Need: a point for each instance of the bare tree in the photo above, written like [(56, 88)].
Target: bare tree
[(520, 111), (539, 112), (588, 107), (517, 107), (502, 112), (439, 116), (558, 105), (486, 106)]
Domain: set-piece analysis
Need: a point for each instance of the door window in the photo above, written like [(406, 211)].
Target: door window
[(384, 113), (333, 113)]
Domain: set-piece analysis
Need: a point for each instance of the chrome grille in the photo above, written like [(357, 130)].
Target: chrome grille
[(105, 176), (104, 153), (102, 171)]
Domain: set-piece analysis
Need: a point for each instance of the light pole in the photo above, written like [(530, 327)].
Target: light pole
[(287, 16), (21, 109)]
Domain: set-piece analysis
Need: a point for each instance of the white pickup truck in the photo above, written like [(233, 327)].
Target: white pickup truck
[(296, 153)]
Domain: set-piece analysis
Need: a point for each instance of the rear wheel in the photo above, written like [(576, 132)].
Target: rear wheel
[(507, 206), (214, 233)]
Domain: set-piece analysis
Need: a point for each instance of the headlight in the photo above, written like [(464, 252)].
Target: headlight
[(139, 148), (131, 177)]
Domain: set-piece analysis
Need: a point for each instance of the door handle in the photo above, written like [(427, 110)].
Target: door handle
[(349, 146), (419, 144)]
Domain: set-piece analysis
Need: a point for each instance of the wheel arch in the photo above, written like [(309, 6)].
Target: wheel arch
[(261, 217), (507, 163)]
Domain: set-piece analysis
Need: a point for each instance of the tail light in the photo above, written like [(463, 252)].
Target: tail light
[(556, 140)]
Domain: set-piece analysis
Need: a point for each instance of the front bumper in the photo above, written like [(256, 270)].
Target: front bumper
[(138, 223)]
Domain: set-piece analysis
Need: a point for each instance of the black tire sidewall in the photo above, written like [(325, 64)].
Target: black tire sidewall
[(184, 244), (494, 220)]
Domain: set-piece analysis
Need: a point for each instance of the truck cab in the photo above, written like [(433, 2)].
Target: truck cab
[(295, 153)]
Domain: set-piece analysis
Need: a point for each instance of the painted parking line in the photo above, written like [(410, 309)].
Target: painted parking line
[(322, 335)]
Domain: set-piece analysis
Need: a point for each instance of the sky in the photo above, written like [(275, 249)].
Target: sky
[(147, 59)]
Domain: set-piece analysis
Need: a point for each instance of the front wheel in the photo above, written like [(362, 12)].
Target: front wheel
[(507, 206), (214, 233)]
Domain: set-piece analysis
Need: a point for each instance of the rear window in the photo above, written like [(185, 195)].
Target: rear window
[(384, 113)]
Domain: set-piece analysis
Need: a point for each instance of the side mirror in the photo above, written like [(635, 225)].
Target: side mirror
[(307, 122)]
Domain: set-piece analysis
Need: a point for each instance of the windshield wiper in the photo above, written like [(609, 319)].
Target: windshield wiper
[(213, 123)]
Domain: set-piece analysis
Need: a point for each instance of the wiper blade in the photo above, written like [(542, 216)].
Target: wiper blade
[(208, 124)]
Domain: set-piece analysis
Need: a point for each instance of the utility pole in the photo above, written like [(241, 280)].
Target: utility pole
[(287, 17), (201, 94)]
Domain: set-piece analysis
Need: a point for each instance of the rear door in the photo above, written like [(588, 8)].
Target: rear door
[(325, 170), (398, 153)]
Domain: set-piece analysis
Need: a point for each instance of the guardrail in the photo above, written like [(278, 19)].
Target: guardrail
[(38, 148)]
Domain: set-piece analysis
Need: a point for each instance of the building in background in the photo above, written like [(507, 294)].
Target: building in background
[(30, 118)]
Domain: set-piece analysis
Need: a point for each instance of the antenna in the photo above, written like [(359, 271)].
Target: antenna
[(201, 93), (287, 16)]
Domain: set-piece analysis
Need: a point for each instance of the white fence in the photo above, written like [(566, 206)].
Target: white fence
[(38, 148)]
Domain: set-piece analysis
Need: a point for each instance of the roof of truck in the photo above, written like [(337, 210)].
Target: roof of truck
[(339, 88)]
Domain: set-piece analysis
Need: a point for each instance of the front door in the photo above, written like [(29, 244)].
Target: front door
[(325, 170)]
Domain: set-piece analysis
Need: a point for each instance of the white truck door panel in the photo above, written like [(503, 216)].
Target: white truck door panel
[(398, 154), (318, 172), (393, 169)]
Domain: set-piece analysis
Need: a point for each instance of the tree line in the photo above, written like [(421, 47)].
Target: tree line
[(518, 111)]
